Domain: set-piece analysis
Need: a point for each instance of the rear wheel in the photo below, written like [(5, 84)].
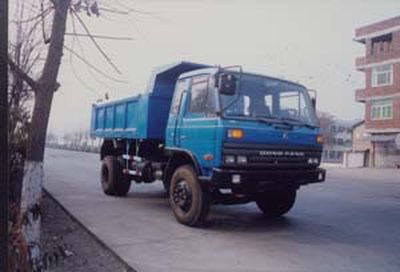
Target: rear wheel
[(166, 185), (276, 203), (190, 203), (113, 181)]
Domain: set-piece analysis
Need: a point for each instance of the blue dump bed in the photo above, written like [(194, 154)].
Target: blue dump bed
[(143, 116)]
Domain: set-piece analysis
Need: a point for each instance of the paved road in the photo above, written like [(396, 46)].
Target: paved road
[(350, 223)]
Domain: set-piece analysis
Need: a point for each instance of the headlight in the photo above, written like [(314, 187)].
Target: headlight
[(313, 161), (236, 179), (241, 159), (230, 159)]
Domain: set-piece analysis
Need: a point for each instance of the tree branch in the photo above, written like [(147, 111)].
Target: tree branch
[(92, 66), (24, 76), (106, 57), (114, 11), (38, 16), (99, 36)]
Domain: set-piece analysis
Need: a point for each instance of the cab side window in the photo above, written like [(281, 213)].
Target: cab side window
[(180, 87), (199, 94)]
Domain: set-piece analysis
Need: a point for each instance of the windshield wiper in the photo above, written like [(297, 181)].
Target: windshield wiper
[(266, 120), (298, 122), (273, 120)]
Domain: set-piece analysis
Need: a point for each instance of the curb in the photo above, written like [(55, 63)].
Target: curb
[(104, 245)]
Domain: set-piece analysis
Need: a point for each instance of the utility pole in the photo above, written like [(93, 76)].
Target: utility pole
[(4, 171)]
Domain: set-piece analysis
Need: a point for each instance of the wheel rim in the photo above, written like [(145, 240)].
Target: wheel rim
[(182, 195)]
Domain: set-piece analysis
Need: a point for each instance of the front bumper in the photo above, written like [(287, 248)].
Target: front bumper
[(253, 181)]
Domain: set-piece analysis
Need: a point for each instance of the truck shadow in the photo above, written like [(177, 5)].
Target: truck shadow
[(242, 217), (246, 220), (149, 195)]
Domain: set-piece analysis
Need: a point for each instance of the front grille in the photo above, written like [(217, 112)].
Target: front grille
[(272, 156), (275, 160)]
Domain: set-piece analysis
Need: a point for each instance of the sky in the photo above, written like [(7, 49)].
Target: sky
[(310, 42)]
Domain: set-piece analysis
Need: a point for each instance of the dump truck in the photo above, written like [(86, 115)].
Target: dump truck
[(212, 135)]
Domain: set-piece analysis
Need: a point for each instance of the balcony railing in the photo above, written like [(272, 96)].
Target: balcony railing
[(360, 95), (361, 61), (377, 56)]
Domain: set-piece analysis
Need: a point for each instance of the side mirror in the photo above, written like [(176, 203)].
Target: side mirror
[(313, 98), (227, 84), (314, 103)]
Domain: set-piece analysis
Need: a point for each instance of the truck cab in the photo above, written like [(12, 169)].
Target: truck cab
[(230, 137)]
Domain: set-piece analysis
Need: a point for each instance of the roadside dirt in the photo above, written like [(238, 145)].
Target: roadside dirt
[(67, 246)]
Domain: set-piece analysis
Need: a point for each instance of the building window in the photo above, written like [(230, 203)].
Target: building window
[(382, 109), (382, 75)]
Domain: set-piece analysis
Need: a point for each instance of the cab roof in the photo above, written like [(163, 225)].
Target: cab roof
[(163, 78)]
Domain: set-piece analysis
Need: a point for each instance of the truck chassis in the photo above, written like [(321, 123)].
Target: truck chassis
[(190, 194)]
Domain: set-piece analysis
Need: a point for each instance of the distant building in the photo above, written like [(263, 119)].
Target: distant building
[(361, 146), (338, 142), (381, 95), (360, 138)]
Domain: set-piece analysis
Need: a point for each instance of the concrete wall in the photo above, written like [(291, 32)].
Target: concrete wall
[(356, 159)]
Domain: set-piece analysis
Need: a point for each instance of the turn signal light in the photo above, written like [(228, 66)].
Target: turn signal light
[(235, 133), (320, 139)]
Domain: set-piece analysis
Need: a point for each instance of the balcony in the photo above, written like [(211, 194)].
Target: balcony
[(360, 62), (360, 95), (376, 57)]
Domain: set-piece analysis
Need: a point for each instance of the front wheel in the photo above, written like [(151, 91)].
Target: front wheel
[(276, 203), (190, 203)]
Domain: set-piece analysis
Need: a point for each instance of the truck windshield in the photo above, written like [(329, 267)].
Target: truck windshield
[(269, 100)]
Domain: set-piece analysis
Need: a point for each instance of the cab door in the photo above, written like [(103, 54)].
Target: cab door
[(176, 113), (197, 130)]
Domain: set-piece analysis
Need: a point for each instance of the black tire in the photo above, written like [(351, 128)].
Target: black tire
[(113, 181), (276, 203), (192, 210)]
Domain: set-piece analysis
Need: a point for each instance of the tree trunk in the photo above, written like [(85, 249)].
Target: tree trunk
[(33, 170)]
